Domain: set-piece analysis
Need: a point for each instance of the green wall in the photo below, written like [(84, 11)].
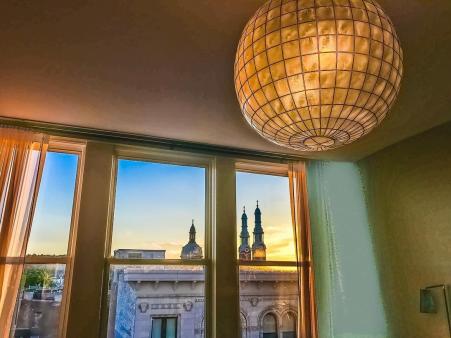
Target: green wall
[(408, 192)]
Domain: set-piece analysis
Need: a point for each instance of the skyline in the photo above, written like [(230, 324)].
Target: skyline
[(154, 206)]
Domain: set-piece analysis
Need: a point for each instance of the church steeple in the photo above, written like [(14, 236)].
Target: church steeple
[(192, 233), (244, 249), (258, 247)]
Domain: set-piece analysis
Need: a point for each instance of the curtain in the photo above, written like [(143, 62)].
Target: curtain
[(346, 277), (22, 155), (301, 227)]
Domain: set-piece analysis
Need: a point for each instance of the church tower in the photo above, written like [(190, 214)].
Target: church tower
[(192, 250), (258, 247), (244, 249)]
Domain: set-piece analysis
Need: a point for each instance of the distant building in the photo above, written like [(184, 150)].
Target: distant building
[(140, 254), (145, 301), (258, 247), (169, 301), (244, 250)]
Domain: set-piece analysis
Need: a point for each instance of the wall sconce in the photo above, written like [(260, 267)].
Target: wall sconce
[(427, 303)]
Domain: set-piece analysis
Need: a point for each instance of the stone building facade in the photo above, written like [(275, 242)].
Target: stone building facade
[(143, 296), (169, 301)]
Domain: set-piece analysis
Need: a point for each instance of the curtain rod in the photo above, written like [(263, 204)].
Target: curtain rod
[(56, 129)]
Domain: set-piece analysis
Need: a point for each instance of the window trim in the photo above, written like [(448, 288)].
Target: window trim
[(218, 192), (270, 169), (75, 147)]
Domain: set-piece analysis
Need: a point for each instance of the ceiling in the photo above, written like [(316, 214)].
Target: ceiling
[(165, 68)]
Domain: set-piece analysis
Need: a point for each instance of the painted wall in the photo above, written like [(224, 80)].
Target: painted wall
[(409, 198), (348, 294)]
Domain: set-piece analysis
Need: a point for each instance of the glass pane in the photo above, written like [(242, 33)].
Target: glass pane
[(38, 305), (267, 294), (269, 323), (265, 230), (289, 325), (171, 326), (156, 328), (139, 295), (52, 219), (159, 211)]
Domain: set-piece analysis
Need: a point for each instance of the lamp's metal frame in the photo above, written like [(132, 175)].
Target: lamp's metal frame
[(445, 295)]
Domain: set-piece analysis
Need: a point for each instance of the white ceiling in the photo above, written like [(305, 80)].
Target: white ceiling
[(165, 68)]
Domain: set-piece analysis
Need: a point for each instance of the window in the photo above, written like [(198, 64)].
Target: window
[(41, 302), (266, 252), (157, 265), (269, 326), (157, 255), (165, 327), (289, 325)]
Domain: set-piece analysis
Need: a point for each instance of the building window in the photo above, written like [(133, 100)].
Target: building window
[(266, 249), (157, 263), (41, 300), (269, 326), (289, 325), (243, 322), (164, 327)]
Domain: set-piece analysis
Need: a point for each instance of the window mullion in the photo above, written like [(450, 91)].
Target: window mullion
[(89, 264), (225, 307)]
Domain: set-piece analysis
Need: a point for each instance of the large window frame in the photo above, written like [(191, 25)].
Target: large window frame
[(75, 147), (85, 302)]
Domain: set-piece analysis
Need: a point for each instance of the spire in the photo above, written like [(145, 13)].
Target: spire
[(192, 233), (258, 220), (258, 247), (244, 249)]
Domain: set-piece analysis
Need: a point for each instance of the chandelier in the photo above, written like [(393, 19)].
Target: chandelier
[(314, 75)]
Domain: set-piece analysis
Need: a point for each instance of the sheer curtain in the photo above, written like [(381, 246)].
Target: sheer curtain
[(346, 277), (301, 227), (22, 156)]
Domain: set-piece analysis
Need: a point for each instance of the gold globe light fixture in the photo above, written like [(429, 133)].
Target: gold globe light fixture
[(314, 75)]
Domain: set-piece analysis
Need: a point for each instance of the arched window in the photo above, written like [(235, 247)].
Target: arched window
[(289, 325), (243, 326), (269, 326)]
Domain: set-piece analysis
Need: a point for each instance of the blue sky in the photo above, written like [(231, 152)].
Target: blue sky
[(51, 223), (154, 206)]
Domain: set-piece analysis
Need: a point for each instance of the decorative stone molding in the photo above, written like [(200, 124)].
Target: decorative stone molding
[(188, 306), (143, 307), (254, 301), (165, 306)]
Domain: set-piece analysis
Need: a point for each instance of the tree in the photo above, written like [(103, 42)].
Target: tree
[(38, 277)]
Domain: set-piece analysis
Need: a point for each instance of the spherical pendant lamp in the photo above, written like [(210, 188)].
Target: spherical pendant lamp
[(314, 75)]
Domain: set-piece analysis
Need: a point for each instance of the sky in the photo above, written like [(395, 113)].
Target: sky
[(272, 193), (154, 206), (51, 223)]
